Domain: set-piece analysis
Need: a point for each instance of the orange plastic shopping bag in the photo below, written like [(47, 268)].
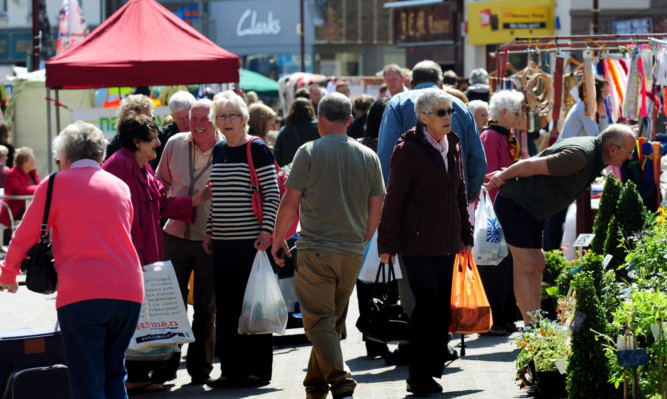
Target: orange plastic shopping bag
[(471, 312)]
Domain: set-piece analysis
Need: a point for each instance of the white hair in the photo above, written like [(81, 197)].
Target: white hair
[(181, 100), (504, 99), (429, 98), (474, 105)]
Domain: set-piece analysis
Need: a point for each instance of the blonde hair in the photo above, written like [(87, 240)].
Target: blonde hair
[(259, 114), (131, 106), (22, 155)]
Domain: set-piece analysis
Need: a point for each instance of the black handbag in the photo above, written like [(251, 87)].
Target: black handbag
[(383, 319), (40, 269)]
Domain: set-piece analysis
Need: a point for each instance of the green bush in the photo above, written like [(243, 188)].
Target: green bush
[(554, 263), (608, 201), (630, 211), (587, 376), (612, 245)]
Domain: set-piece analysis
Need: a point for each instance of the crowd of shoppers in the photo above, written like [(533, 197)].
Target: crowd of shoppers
[(435, 150)]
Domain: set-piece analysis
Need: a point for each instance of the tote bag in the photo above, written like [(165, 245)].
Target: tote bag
[(163, 320)]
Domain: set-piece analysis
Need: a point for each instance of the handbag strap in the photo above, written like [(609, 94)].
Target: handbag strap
[(47, 205), (386, 278)]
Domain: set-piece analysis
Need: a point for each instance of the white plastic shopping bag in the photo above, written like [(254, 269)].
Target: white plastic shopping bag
[(263, 310), (369, 268), (163, 320), (490, 245)]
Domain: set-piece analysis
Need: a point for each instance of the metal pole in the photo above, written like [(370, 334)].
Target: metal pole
[(58, 110), (48, 129), (596, 11), (35, 36), (302, 37)]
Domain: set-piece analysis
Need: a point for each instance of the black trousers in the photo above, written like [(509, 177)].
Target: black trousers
[(240, 355), (430, 279), (498, 284)]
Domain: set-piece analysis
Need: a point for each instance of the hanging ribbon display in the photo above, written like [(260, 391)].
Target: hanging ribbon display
[(589, 85)]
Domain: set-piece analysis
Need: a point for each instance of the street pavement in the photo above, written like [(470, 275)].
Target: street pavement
[(487, 370)]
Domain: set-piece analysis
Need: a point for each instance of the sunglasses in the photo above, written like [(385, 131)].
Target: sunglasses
[(441, 112)]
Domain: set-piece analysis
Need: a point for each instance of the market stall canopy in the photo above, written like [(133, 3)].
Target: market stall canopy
[(253, 81), (142, 44)]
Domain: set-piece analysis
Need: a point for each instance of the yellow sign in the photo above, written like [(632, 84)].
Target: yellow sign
[(496, 22)]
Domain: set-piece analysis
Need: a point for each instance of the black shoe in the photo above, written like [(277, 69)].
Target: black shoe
[(510, 327), (396, 358), (202, 381), (253, 382), (423, 388), (451, 354), (495, 331), (219, 383)]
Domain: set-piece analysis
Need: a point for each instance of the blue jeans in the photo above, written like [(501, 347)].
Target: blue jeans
[(95, 335)]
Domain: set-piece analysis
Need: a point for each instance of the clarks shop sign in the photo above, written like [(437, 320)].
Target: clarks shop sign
[(248, 27), (250, 24), (423, 24)]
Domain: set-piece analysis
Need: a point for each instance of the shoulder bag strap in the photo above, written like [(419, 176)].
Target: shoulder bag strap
[(254, 181), (47, 205)]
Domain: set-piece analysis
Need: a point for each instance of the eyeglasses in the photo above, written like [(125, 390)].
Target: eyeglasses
[(517, 113), (629, 154), (231, 117), (441, 112)]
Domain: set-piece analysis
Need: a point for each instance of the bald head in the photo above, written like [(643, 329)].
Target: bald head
[(618, 144)]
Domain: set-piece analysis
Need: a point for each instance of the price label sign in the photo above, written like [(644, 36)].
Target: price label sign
[(632, 358), (606, 260), (578, 321), (583, 240)]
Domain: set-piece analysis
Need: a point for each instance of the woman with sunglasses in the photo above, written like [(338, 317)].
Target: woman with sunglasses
[(502, 150), (425, 221)]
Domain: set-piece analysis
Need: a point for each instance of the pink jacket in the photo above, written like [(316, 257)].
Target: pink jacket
[(17, 182), (497, 153), (150, 202), (90, 218)]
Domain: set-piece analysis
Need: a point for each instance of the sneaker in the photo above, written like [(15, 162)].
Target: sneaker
[(495, 332)]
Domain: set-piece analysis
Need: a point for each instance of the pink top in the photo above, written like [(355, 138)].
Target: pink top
[(90, 218), (497, 153), (17, 182), (150, 202)]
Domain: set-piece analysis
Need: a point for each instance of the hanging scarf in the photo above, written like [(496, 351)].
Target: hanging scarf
[(442, 146), (512, 142)]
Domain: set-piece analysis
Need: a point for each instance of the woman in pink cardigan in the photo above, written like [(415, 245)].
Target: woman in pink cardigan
[(502, 149), (22, 179), (100, 283), (138, 139)]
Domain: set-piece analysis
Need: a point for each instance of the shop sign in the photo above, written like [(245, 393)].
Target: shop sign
[(15, 45), (423, 24), (495, 22), (105, 118), (249, 25)]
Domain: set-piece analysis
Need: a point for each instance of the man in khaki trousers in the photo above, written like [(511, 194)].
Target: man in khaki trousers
[(336, 183)]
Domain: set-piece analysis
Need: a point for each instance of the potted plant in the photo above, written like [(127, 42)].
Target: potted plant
[(543, 345)]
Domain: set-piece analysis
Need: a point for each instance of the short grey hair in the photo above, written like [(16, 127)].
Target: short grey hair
[(427, 71), (4, 151), (474, 105), (429, 99), (505, 99), (479, 75), (617, 134), (181, 100), (335, 107), (221, 100), (392, 67), (80, 140)]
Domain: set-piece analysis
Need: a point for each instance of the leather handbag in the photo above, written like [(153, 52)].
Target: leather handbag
[(383, 319), (39, 266)]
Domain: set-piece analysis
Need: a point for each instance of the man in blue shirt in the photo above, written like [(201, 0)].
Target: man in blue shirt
[(399, 117)]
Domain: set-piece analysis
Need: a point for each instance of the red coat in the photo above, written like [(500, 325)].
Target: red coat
[(17, 182)]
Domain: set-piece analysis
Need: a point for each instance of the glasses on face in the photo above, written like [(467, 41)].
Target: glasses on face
[(231, 117), (440, 113), (517, 113), (629, 154)]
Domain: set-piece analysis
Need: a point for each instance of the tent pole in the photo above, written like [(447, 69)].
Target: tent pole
[(48, 130), (57, 111)]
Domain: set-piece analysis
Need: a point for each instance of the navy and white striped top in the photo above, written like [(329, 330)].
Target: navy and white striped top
[(231, 215)]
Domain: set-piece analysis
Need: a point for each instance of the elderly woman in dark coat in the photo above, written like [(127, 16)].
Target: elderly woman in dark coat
[(425, 221)]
